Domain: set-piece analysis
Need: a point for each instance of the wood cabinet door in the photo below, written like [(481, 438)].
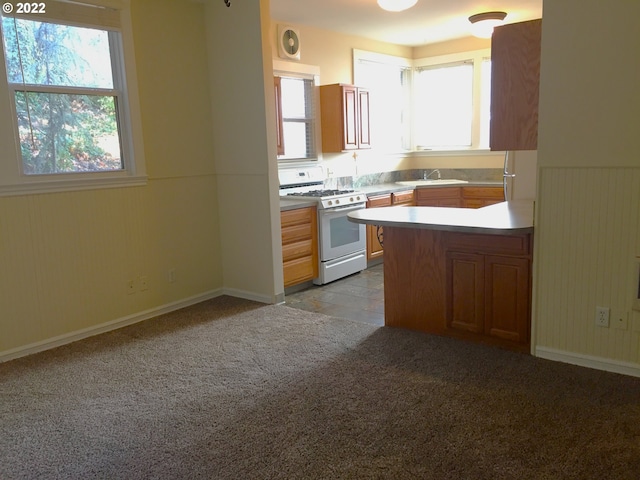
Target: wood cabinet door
[(489, 295), (507, 300), (466, 291), (515, 78), (374, 247), (374, 233), (344, 117), (350, 111), (364, 128)]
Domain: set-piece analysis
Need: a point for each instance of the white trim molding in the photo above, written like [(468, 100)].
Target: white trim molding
[(106, 327), (589, 361), (256, 297)]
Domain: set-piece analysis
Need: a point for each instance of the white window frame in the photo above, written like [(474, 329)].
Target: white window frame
[(476, 57), (12, 179), (309, 72)]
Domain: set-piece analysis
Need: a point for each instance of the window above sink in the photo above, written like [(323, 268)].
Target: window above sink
[(437, 104)]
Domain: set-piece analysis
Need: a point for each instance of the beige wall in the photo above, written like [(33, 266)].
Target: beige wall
[(241, 85), (459, 45), (588, 222), (333, 52), (66, 257), (589, 100)]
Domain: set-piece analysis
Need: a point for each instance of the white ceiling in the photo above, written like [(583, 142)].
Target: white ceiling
[(429, 21)]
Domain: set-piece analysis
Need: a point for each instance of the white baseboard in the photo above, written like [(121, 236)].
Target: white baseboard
[(269, 299), (598, 363), (106, 327)]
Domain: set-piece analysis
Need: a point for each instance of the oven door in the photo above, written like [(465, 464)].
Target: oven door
[(339, 236)]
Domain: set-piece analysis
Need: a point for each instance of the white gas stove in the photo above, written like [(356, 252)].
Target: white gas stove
[(308, 184)]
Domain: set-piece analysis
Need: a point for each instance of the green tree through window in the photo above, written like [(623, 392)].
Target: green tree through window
[(66, 99)]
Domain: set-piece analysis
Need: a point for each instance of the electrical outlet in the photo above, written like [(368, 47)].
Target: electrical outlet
[(144, 282), (620, 320), (172, 276), (131, 287), (602, 316)]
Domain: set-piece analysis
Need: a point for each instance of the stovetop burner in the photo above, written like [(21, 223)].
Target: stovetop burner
[(320, 193)]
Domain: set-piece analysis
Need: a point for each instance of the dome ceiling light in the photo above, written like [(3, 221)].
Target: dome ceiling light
[(482, 24), (396, 5)]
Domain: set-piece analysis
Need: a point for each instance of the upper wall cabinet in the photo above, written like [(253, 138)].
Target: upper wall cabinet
[(515, 77), (344, 112)]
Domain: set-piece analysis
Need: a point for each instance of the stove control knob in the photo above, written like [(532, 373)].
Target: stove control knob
[(351, 199), (329, 202), (337, 201)]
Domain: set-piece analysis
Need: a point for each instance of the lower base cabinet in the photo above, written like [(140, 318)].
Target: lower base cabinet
[(488, 290), (299, 245), (471, 286), (488, 295), (466, 197)]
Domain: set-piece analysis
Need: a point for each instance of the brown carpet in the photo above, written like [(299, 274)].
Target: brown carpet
[(230, 389)]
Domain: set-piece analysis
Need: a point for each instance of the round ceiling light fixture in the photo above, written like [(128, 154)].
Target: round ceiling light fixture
[(482, 24), (396, 5)]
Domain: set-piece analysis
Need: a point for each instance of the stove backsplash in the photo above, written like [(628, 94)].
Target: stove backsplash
[(470, 175)]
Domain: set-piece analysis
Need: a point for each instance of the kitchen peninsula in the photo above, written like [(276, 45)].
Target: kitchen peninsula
[(458, 272)]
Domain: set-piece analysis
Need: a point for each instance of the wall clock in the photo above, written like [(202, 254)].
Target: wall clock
[(288, 43)]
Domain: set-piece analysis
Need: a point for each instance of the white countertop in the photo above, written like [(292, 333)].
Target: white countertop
[(511, 217)]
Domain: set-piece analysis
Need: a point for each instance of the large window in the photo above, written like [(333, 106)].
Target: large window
[(68, 97), (451, 98), (439, 103), (444, 106)]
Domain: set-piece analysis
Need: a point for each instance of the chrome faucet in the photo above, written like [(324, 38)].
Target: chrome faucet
[(426, 177)]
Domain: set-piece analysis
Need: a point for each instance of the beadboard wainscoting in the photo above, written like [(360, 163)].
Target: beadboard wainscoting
[(587, 243), (68, 259)]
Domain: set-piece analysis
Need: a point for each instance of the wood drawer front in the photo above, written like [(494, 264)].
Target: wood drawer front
[(299, 270), (443, 192), (474, 203), (496, 193), (296, 233), (399, 198), (518, 245), (379, 201), (297, 216), (295, 250)]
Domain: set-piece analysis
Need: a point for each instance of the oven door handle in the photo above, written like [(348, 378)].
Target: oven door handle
[(342, 209)]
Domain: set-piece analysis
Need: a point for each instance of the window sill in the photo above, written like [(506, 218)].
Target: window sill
[(69, 185), (455, 153)]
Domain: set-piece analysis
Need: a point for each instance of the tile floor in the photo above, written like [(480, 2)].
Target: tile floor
[(357, 297)]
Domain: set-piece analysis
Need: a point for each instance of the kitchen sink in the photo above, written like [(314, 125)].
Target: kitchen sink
[(418, 183)]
